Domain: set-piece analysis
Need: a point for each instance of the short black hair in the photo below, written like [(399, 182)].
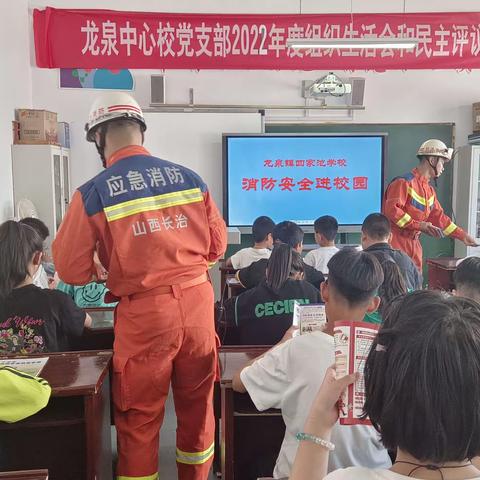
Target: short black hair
[(421, 383), (289, 233), (37, 225), (262, 226), (467, 276), (377, 226), (327, 226), (354, 275)]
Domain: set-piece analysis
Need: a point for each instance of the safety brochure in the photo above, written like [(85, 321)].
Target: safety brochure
[(353, 341), (32, 366), (309, 317)]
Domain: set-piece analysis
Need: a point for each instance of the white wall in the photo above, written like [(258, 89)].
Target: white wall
[(390, 97), (394, 96), (15, 88)]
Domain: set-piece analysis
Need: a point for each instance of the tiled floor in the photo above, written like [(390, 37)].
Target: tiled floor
[(166, 453)]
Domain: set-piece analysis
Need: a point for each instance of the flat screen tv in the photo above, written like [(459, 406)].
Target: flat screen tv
[(300, 177)]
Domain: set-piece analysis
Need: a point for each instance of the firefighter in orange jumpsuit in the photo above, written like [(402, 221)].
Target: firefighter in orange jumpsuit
[(156, 229), (412, 206)]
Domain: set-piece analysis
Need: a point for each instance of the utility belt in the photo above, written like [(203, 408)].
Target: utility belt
[(161, 290)]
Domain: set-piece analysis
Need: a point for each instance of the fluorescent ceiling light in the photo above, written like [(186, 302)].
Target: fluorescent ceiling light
[(393, 43)]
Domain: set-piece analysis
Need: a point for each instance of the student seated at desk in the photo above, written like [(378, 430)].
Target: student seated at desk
[(264, 313), (289, 375), (21, 395), (32, 319), (40, 279), (421, 393), (284, 232), (393, 286), (90, 295), (262, 236), (376, 236), (467, 279), (326, 229)]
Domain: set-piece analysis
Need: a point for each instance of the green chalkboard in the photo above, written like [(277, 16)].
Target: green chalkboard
[(403, 142)]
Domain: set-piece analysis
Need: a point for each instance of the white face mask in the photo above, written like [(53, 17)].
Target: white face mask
[(437, 166), (35, 269)]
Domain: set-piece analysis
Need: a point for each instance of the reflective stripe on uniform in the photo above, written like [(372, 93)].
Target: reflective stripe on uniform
[(449, 229), (416, 196), (404, 220), (418, 205), (147, 204), (148, 477), (195, 458), (419, 198)]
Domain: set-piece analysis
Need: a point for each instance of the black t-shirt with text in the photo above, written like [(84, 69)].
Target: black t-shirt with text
[(261, 316), (36, 320), (254, 274)]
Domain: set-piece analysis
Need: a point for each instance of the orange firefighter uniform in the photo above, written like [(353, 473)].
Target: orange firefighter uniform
[(156, 228), (409, 200)]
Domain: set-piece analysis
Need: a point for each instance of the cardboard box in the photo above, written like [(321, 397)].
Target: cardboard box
[(476, 117), (37, 126), (64, 134), (16, 132)]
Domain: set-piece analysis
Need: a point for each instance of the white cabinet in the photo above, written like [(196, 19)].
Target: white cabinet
[(41, 173), (466, 198)]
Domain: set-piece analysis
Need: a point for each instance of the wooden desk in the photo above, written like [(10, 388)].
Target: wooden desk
[(99, 336), (440, 273), (224, 273), (71, 436), (234, 286), (25, 475), (258, 435)]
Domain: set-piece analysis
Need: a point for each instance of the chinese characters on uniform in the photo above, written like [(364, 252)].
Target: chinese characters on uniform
[(150, 180), (136, 180), (159, 224)]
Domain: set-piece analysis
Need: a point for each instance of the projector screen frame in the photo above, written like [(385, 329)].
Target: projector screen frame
[(342, 228)]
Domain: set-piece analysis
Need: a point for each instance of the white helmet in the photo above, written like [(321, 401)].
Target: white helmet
[(112, 105), (435, 148)]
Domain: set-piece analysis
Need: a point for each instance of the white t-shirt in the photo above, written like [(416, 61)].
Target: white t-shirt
[(40, 278), (288, 377), (360, 473), (246, 256), (319, 258)]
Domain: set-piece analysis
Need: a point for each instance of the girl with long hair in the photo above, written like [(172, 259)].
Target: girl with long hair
[(32, 319)]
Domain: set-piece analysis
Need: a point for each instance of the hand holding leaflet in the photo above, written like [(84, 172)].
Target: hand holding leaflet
[(353, 341), (309, 317)]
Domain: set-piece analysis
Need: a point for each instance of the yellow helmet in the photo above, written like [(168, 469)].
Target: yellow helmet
[(435, 148)]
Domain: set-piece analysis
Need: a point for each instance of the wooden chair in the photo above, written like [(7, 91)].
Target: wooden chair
[(250, 439)]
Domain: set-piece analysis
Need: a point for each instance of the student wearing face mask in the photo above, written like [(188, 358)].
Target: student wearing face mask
[(32, 319)]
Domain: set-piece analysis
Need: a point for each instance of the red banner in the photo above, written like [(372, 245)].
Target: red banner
[(117, 39)]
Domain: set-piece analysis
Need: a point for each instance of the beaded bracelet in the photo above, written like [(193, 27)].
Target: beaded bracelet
[(316, 440)]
